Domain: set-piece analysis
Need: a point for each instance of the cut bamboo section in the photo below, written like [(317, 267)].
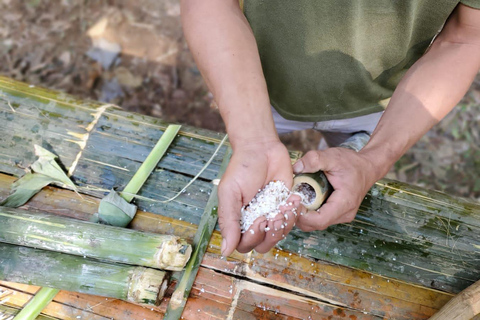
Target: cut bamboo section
[(49, 232), (67, 272), (408, 251), (73, 305)]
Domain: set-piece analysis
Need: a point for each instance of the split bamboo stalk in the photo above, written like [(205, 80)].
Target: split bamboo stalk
[(200, 241), (67, 272), (92, 240)]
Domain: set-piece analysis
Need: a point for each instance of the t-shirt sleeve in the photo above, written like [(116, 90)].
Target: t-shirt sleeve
[(471, 3)]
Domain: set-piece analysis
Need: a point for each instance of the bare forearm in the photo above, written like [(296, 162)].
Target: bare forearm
[(430, 89), (225, 50)]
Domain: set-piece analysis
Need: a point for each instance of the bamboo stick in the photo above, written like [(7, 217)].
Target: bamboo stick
[(200, 241), (35, 306), (73, 273), (92, 240), (7, 312)]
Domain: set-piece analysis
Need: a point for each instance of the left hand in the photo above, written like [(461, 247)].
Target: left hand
[(350, 173)]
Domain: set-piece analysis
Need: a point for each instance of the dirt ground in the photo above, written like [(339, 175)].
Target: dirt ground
[(133, 53)]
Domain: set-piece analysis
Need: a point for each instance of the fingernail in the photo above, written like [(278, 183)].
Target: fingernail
[(224, 246), (298, 166)]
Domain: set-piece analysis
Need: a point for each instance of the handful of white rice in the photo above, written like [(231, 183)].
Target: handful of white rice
[(266, 203)]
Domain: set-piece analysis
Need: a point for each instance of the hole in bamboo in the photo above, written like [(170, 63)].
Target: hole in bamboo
[(307, 191)]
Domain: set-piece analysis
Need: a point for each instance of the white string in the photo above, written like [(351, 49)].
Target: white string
[(194, 178)]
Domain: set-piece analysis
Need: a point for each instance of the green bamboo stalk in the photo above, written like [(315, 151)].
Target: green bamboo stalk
[(7, 312), (92, 240), (38, 302), (72, 273), (115, 209), (200, 242), (137, 181)]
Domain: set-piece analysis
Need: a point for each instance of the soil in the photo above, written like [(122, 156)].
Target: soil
[(133, 53)]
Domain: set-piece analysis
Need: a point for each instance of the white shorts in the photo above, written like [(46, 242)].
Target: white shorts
[(334, 132)]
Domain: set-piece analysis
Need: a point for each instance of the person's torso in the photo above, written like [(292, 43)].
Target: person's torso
[(328, 60)]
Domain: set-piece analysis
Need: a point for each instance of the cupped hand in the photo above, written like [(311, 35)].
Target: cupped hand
[(252, 166), (351, 175)]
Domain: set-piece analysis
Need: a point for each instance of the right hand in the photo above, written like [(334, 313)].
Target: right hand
[(252, 166)]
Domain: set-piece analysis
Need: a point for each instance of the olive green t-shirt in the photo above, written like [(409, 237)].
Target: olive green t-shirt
[(339, 59)]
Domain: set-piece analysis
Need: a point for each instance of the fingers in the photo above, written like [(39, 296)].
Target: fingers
[(229, 205), (273, 233), (338, 209), (314, 161), (253, 236), (279, 227)]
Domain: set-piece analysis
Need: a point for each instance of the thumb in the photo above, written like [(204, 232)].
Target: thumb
[(229, 206), (312, 161)]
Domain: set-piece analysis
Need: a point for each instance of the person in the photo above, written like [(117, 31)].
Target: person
[(323, 63)]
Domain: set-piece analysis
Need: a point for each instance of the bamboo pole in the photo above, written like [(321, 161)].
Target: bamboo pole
[(73, 273), (92, 240), (464, 306)]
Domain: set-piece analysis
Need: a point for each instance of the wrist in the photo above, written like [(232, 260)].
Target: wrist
[(381, 158), (246, 126)]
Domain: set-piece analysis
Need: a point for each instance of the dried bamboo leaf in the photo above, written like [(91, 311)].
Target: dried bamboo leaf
[(44, 171)]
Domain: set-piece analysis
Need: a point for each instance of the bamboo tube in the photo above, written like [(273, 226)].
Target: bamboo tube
[(67, 272), (92, 240), (314, 187)]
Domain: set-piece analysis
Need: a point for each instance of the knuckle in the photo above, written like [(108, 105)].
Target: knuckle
[(321, 226), (349, 217), (312, 157)]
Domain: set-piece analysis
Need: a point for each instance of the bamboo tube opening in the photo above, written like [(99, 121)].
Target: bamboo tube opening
[(313, 188)]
